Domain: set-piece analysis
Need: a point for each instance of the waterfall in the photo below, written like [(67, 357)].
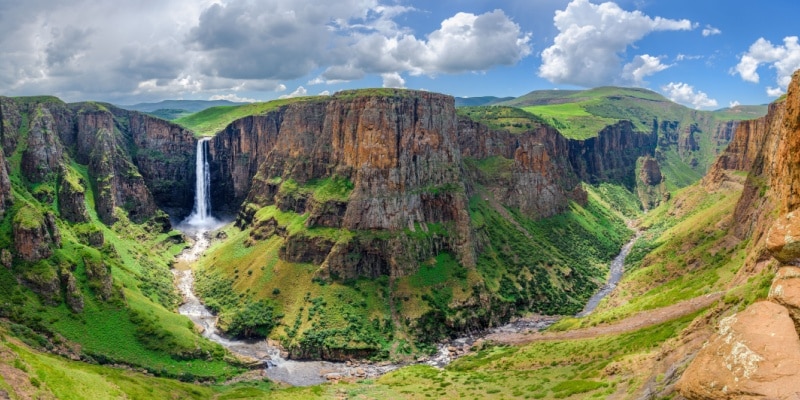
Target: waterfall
[(201, 213)]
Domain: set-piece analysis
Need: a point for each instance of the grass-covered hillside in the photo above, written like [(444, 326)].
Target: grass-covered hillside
[(688, 140), (96, 292), (550, 266), (212, 120)]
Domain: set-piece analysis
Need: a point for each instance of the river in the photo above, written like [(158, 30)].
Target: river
[(306, 373)]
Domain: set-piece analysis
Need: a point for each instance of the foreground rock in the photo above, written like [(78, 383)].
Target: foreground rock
[(755, 354), (783, 239)]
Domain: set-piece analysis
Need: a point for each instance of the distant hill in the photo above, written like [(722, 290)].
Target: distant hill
[(174, 109), (480, 101), (688, 140), (742, 112), (192, 106)]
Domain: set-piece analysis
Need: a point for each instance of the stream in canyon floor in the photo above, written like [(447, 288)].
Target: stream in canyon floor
[(304, 373), (200, 223)]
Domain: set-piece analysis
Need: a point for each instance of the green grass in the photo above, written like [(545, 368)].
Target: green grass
[(512, 119), (492, 169), (212, 120), (683, 254), (571, 119)]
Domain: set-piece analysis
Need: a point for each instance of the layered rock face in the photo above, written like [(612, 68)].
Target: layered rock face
[(403, 154), (138, 163), (35, 234), (142, 163), (399, 152), (6, 198), (165, 157), (536, 161), (612, 154), (44, 153), (756, 353)]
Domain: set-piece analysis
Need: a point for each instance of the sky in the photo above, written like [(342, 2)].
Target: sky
[(705, 54)]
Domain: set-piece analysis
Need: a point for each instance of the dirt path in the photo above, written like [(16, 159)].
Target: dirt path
[(635, 322)]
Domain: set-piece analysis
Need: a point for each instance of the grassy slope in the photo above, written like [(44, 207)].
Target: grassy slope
[(685, 252), (212, 120), (107, 330), (552, 265)]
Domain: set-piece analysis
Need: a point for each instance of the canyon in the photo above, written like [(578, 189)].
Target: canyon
[(374, 224)]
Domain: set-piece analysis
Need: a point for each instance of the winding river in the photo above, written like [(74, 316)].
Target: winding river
[(200, 223), (306, 373)]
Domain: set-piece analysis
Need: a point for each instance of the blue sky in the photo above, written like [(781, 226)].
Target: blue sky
[(705, 54)]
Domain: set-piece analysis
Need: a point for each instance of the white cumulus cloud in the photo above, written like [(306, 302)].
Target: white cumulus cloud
[(734, 103), (774, 91), (783, 59), (685, 94), (300, 91), (128, 52), (232, 97), (464, 42), (592, 37), (711, 31), (642, 66), (393, 80)]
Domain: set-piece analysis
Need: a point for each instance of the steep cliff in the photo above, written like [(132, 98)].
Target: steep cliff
[(6, 198), (143, 163), (85, 233), (753, 352), (513, 166), (398, 151), (611, 155)]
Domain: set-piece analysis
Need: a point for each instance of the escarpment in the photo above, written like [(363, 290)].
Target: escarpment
[(397, 155), (611, 155), (754, 352), (138, 163), (6, 198)]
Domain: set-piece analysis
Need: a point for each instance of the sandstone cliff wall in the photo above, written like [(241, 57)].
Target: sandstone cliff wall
[(755, 353)]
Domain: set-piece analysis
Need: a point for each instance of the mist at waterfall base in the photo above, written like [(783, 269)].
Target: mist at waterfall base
[(201, 220)]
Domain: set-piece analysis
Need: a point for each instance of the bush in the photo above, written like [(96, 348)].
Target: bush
[(254, 320)]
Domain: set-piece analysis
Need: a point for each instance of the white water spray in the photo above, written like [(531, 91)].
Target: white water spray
[(201, 218)]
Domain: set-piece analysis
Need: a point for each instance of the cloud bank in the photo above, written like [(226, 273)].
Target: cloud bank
[(110, 50)]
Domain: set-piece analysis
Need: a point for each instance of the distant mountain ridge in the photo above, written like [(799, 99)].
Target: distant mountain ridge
[(191, 106), (480, 101)]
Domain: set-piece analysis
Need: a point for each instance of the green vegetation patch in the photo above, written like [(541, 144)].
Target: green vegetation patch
[(571, 119), (212, 120), (512, 119)]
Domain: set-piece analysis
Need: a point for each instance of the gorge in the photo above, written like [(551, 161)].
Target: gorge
[(373, 225)]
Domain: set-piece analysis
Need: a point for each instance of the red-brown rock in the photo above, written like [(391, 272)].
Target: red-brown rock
[(783, 238), (755, 354)]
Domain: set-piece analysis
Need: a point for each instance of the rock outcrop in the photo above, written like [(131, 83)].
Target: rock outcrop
[(755, 354), (35, 234), (72, 199), (44, 154), (140, 163), (534, 162), (611, 155), (399, 152), (783, 239), (6, 198), (10, 120), (164, 154)]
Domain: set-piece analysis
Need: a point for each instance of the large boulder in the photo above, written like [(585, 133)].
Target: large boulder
[(755, 355), (783, 239), (785, 291)]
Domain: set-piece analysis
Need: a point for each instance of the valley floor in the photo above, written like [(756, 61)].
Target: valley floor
[(641, 320)]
